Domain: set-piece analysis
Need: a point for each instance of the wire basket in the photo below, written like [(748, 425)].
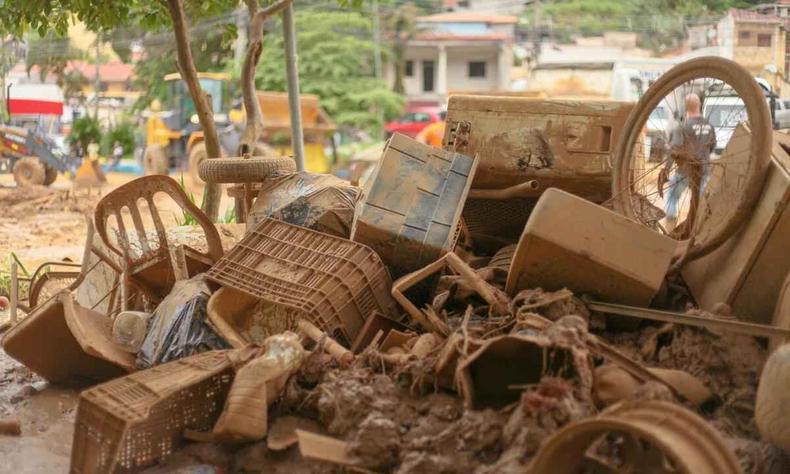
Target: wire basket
[(333, 282), (132, 422)]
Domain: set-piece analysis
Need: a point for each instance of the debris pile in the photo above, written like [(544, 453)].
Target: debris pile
[(395, 341)]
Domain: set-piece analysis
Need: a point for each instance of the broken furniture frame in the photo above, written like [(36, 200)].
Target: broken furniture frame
[(151, 266), (498, 301), (65, 343)]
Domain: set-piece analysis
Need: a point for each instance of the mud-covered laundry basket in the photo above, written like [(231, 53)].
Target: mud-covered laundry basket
[(132, 422), (330, 281)]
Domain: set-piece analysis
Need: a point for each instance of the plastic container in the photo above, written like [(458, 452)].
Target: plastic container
[(242, 319), (132, 422), (410, 209), (332, 282), (572, 243), (129, 330)]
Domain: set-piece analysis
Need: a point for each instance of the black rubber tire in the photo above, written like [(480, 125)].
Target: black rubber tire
[(155, 160), (759, 122), (197, 155), (29, 171), (50, 175), (244, 170)]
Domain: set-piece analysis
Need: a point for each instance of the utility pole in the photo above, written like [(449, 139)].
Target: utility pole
[(292, 69), (377, 52), (97, 80), (3, 61)]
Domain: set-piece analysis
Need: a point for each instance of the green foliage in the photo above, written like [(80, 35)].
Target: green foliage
[(5, 276), (122, 132), (83, 130), (51, 54), (336, 63), (229, 217), (211, 47), (186, 218)]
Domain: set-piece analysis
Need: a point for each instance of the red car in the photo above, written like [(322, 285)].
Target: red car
[(414, 121)]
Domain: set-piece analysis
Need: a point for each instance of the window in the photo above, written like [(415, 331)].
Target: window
[(477, 69), (764, 39), (409, 69), (743, 37)]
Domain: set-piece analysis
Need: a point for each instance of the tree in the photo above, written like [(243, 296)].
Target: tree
[(252, 107), (336, 63), (402, 25), (51, 54), (54, 15)]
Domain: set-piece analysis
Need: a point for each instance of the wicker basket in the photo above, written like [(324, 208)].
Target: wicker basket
[(131, 422), (333, 282)]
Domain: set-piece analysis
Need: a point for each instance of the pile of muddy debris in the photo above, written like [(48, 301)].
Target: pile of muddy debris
[(403, 327), (24, 201)]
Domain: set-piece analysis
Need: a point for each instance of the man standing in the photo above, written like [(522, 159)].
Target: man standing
[(690, 147), (117, 154)]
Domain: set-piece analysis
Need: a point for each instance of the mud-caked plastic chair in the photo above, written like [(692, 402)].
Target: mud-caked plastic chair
[(145, 249)]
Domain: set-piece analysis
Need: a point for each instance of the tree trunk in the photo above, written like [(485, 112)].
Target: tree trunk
[(398, 51), (186, 66), (254, 125)]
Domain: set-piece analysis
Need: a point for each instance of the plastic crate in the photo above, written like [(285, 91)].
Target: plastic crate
[(411, 207), (132, 422), (334, 283)]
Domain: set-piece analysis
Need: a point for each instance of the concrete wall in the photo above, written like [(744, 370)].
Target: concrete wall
[(458, 70)]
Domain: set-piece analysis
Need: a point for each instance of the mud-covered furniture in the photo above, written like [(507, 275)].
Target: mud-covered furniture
[(141, 238)]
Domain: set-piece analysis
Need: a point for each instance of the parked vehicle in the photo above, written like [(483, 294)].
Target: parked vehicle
[(414, 121), (782, 114)]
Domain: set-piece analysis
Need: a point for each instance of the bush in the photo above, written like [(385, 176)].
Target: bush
[(83, 130), (123, 132)]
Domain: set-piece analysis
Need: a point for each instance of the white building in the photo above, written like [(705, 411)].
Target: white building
[(496, 7), (458, 52)]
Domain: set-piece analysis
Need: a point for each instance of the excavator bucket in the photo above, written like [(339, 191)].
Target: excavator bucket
[(89, 173)]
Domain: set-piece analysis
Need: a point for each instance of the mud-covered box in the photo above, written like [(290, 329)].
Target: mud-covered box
[(565, 144)]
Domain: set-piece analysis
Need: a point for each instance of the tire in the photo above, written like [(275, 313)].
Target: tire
[(761, 139), (244, 170), (29, 171), (155, 161), (50, 175), (197, 155)]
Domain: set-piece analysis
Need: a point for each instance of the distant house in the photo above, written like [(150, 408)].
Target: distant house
[(780, 9), (756, 41), (497, 7), (458, 52)]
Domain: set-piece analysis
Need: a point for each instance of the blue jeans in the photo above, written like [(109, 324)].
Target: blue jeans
[(678, 183)]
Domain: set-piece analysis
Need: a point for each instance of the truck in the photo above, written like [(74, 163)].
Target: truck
[(28, 147)]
